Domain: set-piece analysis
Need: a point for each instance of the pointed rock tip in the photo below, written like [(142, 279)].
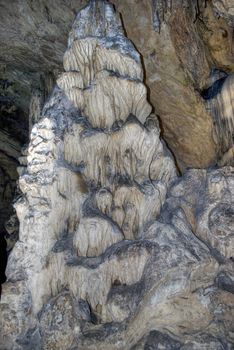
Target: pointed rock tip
[(97, 19)]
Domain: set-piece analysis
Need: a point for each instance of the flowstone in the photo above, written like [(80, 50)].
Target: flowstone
[(108, 256)]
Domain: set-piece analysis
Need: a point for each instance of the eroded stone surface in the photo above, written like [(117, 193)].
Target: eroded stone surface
[(225, 9), (194, 37), (115, 251), (220, 102)]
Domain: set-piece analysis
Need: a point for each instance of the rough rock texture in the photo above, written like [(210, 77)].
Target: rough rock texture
[(217, 35), (220, 103), (194, 37), (33, 40), (225, 8), (177, 66), (115, 251), (11, 139)]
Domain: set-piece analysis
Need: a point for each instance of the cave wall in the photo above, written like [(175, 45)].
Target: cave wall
[(178, 60)]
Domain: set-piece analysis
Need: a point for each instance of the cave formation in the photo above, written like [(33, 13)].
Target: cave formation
[(116, 174)]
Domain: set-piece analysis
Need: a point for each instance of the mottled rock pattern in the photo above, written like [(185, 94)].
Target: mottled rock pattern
[(96, 162), (219, 99), (33, 39), (217, 35), (115, 251), (176, 69), (13, 132), (225, 8)]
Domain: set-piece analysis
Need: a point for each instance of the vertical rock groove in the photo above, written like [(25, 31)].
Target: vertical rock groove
[(220, 103)]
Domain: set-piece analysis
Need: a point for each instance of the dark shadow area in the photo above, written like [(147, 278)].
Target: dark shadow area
[(214, 89), (13, 135), (3, 261)]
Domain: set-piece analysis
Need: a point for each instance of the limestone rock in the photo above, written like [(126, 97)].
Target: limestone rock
[(115, 251), (225, 9), (208, 207), (220, 102), (176, 69), (10, 151), (94, 235), (12, 228), (195, 36), (217, 35), (69, 232), (189, 273)]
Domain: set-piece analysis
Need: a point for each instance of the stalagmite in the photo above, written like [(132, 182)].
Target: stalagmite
[(96, 173), (108, 249)]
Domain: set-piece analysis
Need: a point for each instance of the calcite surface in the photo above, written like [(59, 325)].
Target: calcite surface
[(115, 250), (194, 37)]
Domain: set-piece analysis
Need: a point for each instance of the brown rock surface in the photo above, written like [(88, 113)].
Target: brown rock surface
[(176, 68), (217, 36)]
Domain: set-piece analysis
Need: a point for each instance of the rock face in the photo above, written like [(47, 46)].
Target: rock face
[(115, 251), (179, 41), (220, 102), (11, 139), (177, 66), (225, 9), (177, 62)]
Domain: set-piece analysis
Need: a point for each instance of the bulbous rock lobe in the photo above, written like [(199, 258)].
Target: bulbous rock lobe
[(104, 74)]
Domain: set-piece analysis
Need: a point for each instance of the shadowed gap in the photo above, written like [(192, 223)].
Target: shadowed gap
[(3, 260)]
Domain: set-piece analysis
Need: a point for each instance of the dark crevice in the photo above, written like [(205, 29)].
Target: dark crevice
[(214, 89), (3, 261), (14, 127)]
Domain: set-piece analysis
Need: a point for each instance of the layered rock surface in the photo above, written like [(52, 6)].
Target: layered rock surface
[(194, 37), (220, 103), (13, 132), (115, 252)]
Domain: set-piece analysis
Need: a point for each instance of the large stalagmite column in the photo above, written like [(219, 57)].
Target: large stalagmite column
[(97, 175), (108, 256)]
